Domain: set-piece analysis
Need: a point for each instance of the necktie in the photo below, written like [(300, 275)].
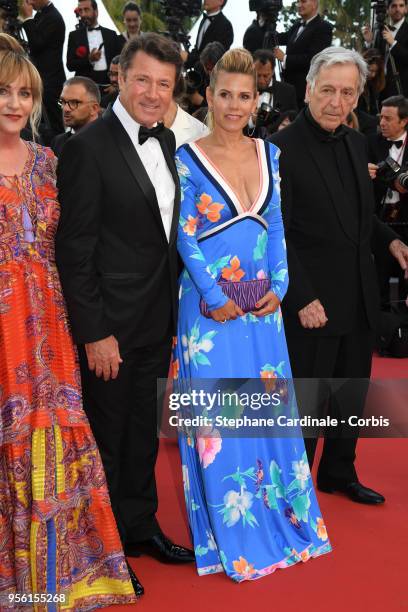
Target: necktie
[(155, 132), (397, 143)]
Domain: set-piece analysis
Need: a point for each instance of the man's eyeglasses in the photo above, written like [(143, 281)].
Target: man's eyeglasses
[(72, 104)]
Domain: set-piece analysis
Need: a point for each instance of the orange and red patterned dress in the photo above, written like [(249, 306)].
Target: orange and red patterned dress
[(58, 535)]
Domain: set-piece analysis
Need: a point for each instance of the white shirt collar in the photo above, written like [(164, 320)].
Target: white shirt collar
[(214, 13), (131, 126), (398, 24), (311, 19)]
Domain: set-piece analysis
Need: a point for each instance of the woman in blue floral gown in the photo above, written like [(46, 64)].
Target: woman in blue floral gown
[(250, 501)]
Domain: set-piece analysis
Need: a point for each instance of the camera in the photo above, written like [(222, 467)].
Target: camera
[(12, 25), (266, 115), (380, 12), (265, 6), (390, 171), (174, 12)]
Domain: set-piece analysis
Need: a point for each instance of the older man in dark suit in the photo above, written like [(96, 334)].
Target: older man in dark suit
[(332, 305), (117, 257), (45, 35)]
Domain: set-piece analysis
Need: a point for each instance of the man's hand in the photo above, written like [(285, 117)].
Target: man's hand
[(372, 170), (279, 54), (230, 310), (267, 305), (313, 315), (399, 250), (367, 33), (104, 357), (388, 36), (26, 9), (95, 55)]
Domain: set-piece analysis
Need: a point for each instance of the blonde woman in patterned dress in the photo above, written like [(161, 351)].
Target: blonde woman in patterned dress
[(59, 546)]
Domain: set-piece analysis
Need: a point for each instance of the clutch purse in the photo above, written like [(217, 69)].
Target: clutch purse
[(246, 294)]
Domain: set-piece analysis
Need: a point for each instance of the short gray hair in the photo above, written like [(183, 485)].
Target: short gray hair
[(337, 55)]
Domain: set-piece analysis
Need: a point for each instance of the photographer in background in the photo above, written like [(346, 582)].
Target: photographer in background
[(395, 37), (391, 198), (307, 37), (45, 34), (112, 91), (214, 27), (255, 33), (279, 95), (198, 78)]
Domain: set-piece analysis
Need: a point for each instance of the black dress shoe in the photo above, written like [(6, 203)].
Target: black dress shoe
[(354, 490), (164, 550), (136, 584)]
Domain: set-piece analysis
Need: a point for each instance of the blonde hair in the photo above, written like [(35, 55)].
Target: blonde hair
[(234, 61), (14, 62)]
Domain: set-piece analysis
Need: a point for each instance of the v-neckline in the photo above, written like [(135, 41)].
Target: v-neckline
[(221, 179)]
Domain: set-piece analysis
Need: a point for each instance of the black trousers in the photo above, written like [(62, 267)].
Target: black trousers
[(123, 417), (333, 357), (53, 111)]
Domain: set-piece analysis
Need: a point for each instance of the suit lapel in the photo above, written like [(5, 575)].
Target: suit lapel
[(135, 165), (331, 179), (169, 157)]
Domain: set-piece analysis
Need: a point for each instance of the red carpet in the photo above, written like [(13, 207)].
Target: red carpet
[(364, 573)]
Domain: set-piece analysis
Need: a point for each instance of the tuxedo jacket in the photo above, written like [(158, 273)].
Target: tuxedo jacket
[(46, 35), (219, 30), (400, 54), (284, 96), (78, 38), (117, 268), (59, 141), (326, 261), (316, 36), (378, 151)]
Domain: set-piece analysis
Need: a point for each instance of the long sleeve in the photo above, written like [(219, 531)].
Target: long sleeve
[(46, 34), (75, 63), (187, 244), (77, 239), (320, 39), (276, 249)]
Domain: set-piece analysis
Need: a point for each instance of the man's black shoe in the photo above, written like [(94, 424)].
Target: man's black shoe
[(354, 490), (163, 549), (136, 584)]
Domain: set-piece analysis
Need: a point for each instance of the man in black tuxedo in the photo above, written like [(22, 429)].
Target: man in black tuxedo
[(391, 200), (308, 36), (91, 47), (117, 257), (80, 103), (46, 35), (214, 27), (393, 44), (332, 304)]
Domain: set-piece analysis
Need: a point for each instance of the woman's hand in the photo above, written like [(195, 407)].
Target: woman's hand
[(267, 305), (227, 312)]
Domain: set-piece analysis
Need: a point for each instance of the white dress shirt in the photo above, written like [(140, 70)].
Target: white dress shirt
[(153, 160), (94, 41), (187, 128), (392, 195)]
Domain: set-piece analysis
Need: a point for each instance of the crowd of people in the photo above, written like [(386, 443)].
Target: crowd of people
[(250, 245)]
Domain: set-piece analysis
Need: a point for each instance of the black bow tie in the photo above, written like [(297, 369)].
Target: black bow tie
[(392, 28), (93, 29), (397, 143), (207, 17), (155, 132)]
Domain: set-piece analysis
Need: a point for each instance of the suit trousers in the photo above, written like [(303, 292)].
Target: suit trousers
[(123, 417), (339, 368)]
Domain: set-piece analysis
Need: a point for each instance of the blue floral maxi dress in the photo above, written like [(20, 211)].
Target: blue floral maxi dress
[(250, 501)]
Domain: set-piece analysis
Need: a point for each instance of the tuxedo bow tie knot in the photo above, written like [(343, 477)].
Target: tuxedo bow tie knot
[(94, 29), (155, 132), (396, 143), (207, 17)]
